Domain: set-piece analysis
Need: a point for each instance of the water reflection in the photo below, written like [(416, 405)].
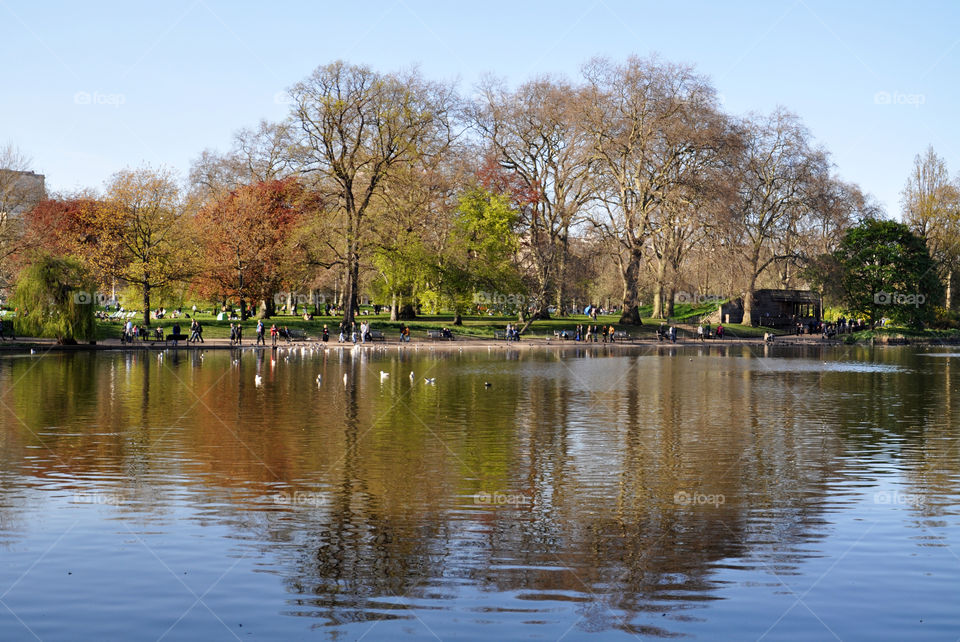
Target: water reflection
[(599, 489)]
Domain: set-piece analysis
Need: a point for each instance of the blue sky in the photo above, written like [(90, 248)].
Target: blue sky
[(89, 88)]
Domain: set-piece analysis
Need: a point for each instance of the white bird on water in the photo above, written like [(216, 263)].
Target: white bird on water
[(344, 378), (429, 380), (411, 376), (384, 374), (319, 379), (257, 379)]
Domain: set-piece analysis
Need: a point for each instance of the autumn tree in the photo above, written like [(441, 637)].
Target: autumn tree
[(245, 238), (138, 234), (58, 225), (356, 127)]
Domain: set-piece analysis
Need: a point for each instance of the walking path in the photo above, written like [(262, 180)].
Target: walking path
[(460, 343)]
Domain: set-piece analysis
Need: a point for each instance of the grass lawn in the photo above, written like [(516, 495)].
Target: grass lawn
[(931, 334), (473, 326)]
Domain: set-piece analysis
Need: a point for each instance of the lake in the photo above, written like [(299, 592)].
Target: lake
[(603, 493)]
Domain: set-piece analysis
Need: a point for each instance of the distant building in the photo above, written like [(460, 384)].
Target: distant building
[(775, 308), (19, 192)]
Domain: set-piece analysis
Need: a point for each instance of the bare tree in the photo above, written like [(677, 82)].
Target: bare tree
[(257, 155), (777, 176), (20, 190), (356, 127), (931, 207), (536, 133), (654, 128)]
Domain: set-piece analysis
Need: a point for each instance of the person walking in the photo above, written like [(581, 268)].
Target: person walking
[(233, 334), (326, 333), (274, 333), (261, 340), (700, 332)]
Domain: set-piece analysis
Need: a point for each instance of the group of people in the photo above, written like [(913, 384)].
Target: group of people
[(512, 333), (842, 325), (704, 331), (591, 333), (131, 332), (275, 334)]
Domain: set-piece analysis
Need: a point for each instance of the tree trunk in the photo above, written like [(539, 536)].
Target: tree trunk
[(949, 293), (751, 287), (267, 308), (748, 302), (146, 305), (671, 295), (393, 306), (351, 285), (659, 309), (243, 309), (457, 318), (407, 313), (631, 300), (561, 276)]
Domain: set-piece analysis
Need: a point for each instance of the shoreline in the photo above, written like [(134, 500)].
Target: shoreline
[(458, 344)]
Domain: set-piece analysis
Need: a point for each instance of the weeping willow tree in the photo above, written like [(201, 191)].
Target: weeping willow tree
[(54, 297)]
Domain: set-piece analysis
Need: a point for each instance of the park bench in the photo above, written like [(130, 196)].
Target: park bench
[(622, 335), (500, 335), (570, 334), (377, 335), (296, 334), (437, 334), (175, 338)]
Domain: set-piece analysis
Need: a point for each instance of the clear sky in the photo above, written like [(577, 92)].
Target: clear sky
[(87, 88)]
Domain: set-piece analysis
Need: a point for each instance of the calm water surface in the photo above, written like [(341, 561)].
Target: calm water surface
[(720, 492)]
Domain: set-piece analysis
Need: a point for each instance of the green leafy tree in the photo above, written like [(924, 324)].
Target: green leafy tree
[(54, 298), (884, 269), (479, 262)]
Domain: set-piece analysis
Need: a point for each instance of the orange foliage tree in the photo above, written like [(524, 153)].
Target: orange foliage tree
[(244, 238)]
